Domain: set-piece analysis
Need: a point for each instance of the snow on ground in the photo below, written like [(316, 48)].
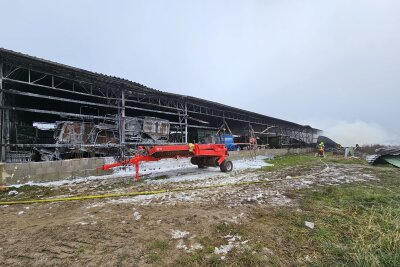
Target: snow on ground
[(177, 234), (192, 173), (179, 174), (176, 170), (233, 241)]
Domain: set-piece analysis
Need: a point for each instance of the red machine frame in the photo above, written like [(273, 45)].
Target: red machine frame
[(203, 155)]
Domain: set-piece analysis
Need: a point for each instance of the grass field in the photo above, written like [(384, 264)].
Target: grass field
[(355, 225)]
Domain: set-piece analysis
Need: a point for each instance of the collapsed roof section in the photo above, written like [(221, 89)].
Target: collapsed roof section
[(390, 155)]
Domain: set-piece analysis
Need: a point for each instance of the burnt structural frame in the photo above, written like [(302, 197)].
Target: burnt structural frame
[(35, 79)]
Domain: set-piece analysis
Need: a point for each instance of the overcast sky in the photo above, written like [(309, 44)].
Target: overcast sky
[(332, 64)]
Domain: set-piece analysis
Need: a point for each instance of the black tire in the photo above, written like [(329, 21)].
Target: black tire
[(202, 167), (226, 166), (194, 161)]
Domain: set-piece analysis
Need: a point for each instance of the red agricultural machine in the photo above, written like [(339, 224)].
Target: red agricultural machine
[(202, 155)]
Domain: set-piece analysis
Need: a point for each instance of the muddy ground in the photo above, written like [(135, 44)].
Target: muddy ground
[(171, 228)]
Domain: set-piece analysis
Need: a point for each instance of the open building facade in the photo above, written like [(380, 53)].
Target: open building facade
[(50, 111)]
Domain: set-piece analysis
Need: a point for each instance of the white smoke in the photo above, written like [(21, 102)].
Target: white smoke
[(357, 132)]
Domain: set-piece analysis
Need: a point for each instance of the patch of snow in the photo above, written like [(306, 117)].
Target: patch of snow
[(21, 212), (280, 200), (370, 176), (233, 241), (268, 251), (182, 196), (177, 234), (142, 200), (195, 246), (307, 258), (255, 198), (309, 224), (180, 170), (181, 245), (13, 193), (170, 198), (237, 218), (232, 238), (192, 173), (94, 205), (137, 216), (223, 249)]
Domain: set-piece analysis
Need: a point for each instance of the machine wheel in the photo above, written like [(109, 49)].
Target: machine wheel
[(194, 161), (226, 166)]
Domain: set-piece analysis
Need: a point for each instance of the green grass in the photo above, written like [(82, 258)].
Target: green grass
[(281, 162), (358, 224), (330, 158), (153, 257), (27, 192), (156, 251), (79, 251), (198, 259), (308, 160), (160, 245), (355, 225)]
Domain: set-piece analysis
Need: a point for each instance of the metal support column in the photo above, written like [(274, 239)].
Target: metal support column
[(2, 139), (122, 124), (186, 123)]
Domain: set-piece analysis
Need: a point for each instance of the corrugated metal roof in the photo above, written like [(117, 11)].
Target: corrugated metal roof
[(372, 158), (63, 70), (395, 161), (390, 154), (390, 150)]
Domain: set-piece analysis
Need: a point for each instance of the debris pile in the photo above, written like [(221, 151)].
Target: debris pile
[(389, 155)]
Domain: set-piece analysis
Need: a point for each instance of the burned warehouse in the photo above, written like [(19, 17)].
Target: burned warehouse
[(51, 111)]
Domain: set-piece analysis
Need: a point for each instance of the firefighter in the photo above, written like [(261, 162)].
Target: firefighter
[(321, 149)]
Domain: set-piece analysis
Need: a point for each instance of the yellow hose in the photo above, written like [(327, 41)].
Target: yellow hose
[(48, 200), (75, 198)]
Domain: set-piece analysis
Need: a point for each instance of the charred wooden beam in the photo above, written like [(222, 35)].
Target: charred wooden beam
[(16, 92), (58, 113)]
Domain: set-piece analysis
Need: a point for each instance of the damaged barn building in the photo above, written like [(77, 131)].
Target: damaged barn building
[(50, 111)]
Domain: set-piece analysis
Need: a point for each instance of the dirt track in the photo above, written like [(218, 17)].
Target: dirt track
[(125, 231)]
